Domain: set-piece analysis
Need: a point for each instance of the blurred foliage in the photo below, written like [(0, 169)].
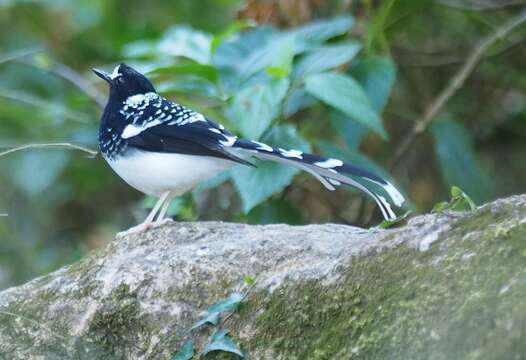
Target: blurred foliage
[(342, 78)]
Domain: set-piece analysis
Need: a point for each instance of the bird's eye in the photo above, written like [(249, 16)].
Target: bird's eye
[(120, 80)]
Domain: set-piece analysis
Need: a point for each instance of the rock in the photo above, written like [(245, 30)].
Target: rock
[(446, 286)]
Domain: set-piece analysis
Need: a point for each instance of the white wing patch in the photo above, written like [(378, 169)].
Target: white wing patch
[(262, 146), (329, 163), (291, 153), (230, 140), (192, 118), (134, 130)]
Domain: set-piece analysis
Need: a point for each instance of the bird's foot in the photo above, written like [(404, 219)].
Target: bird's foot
[(162, 222), (136, 229)]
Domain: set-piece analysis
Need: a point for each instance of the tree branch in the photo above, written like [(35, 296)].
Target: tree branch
[(419, 59), (456, 83), (67, 73), (78, 80), (15, 55), (92, 153)]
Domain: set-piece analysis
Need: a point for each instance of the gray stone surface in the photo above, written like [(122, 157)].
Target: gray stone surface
[(443, 286)]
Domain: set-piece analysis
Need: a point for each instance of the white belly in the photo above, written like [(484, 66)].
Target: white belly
[(155, 173)]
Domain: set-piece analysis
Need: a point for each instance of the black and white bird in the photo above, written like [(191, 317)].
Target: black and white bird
[(163, 149)]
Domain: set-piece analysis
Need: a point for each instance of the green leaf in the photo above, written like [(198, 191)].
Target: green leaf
[(257, 185), (298, 99), (232, 29), (202, 70), (460, 201), (189, 85), (222, 342), (245, 55), (283, 54), (325, 58), (377, 25), (140, 49), (352, 131), (465, 201), (234, 51), (211, 318), (177, 41), (391, 223), (230, 303), (186, 352), (242, 56), (377, 75), (248, 280), (458, 161), (439, 207), (320, 31), (276, 52), (212, 314), (256, 105), (345, 94), (211, 183), (186, 42)]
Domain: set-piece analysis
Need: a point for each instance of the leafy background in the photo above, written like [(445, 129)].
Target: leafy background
[(343, 78)]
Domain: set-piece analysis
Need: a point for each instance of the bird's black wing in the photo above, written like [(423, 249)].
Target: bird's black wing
[(189, 139), (163, 126)]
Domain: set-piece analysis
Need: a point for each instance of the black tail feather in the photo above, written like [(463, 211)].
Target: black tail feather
[(330, 172)]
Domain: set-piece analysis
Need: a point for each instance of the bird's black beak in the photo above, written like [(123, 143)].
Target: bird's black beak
[(102, 74)]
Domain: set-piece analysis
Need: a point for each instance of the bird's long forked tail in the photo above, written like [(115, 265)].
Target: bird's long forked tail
[(330, 172)]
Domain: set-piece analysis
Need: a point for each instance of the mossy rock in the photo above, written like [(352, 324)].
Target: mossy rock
[(448, 286)]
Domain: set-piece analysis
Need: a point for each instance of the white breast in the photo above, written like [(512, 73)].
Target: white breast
[(155, 173)]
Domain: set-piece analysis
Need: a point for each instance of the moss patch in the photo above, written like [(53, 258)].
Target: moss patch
[(114, 330), (464, 298)]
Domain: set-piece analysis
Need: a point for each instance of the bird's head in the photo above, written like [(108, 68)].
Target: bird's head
[(124, 82)]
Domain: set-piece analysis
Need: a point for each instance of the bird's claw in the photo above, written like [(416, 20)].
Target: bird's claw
[(162, 222), (135, 229)]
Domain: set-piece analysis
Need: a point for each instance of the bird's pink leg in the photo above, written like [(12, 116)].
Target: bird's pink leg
[(149, 219), (160, 218)]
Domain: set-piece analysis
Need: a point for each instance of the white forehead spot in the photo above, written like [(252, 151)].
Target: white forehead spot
[(115, 74)]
